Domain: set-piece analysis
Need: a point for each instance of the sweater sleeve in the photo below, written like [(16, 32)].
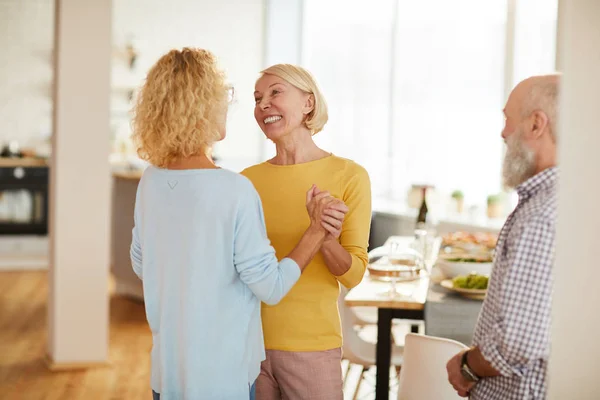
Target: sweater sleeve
[(254, 257), (357, 224)]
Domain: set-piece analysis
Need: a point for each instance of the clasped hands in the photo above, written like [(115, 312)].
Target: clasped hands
[(326, 212)]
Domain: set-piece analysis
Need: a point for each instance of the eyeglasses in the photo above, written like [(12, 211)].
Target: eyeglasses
[(230, 94)]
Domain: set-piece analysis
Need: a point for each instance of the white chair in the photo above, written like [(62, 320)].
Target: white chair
[(423, 375), (355, 349)]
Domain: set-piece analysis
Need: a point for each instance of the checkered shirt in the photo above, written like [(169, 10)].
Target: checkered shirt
[(513, 329)]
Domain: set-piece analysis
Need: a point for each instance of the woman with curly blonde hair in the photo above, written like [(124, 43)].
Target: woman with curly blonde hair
[(199, 243)]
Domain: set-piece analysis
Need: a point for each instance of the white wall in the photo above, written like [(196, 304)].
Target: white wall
[(26, 41), (574, 367), (232, 29)]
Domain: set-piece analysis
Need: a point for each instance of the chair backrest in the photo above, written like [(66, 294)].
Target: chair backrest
[(354, 348), (423, 375)]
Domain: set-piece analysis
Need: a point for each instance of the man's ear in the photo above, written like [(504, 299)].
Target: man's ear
[(539, 123)]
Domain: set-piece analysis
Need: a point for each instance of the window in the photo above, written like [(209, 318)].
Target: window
[(350, 54), (416, 88), (448, 96), (535, 38)]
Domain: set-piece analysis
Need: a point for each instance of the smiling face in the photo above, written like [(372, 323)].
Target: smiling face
[(281, 108)]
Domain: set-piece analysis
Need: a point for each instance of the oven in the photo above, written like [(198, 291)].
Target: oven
[(24, 200)]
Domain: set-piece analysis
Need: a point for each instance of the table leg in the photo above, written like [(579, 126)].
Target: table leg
[(384, 343)]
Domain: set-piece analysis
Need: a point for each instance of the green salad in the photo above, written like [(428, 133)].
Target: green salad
[(472, 281)]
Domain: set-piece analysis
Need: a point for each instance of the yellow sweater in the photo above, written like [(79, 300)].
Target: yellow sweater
[(307, 319)]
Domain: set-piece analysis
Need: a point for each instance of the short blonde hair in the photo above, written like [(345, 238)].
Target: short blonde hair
[(303, 80), (180, 109)]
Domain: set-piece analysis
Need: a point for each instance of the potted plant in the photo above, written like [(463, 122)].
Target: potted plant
[(459, 199), (494, 206)]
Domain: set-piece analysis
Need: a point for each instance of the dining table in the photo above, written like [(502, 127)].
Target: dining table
[(409, 304), (444, 313)]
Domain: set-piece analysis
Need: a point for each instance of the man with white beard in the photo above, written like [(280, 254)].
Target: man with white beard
[(511, 343)]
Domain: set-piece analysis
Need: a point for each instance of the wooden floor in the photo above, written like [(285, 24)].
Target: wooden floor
[(23, 371), (23, 347)]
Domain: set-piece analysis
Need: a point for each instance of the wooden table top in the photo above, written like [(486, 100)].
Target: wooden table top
[(371, 293)]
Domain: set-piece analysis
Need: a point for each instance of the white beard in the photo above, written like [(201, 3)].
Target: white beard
[(519, 161)]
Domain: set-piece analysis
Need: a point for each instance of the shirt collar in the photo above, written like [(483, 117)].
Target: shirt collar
[(537, 182)]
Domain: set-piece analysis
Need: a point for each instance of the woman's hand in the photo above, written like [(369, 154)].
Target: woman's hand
[(332, 214)]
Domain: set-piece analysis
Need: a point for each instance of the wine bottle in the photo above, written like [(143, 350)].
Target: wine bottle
[(422, 217)]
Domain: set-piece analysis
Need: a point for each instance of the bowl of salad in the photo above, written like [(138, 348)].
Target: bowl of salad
[(473, 286), (453, 265)]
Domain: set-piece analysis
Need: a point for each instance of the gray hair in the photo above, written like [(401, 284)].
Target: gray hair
[(543, 96)]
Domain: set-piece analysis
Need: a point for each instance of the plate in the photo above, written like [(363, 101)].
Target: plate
[(476, 294)]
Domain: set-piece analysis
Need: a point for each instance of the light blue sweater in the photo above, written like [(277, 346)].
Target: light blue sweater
[(201, 249)]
